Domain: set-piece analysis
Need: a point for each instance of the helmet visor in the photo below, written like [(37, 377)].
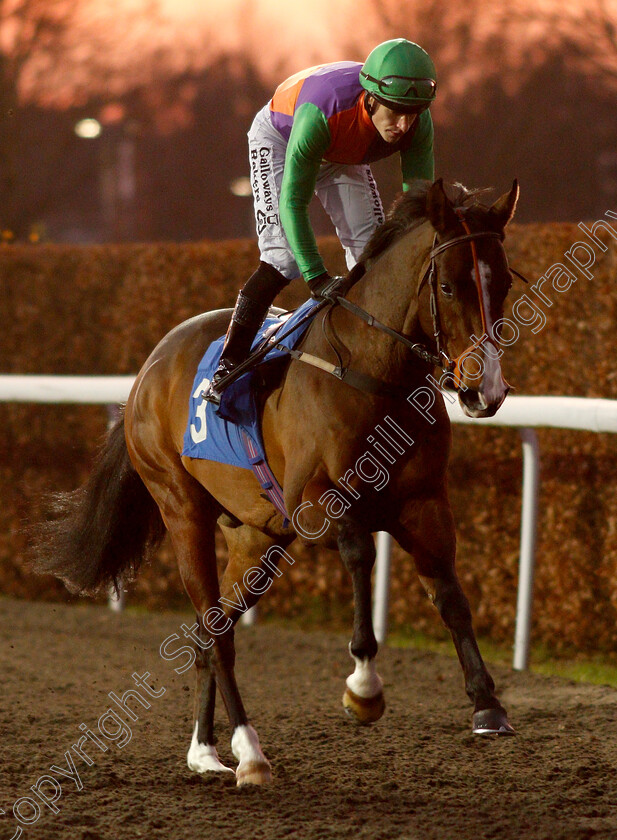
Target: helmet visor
[(402, 87), (400, 107)]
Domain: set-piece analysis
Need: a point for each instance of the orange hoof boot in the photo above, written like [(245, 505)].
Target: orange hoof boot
[(364, 710)]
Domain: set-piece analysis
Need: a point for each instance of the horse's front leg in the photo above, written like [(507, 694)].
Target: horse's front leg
[(428, 534), (363, 698)]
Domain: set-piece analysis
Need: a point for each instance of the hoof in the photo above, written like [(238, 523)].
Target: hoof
[(203, 758), (491, 722), (253, 773), (204, 767), (364, 710)]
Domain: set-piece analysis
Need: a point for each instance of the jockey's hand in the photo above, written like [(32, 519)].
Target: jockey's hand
[(325, 287)]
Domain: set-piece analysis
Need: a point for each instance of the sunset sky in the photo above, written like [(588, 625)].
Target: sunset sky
[(116, 43), (512, 75), (275, 33)]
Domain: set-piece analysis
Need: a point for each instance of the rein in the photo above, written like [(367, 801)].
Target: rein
[(370, 384)]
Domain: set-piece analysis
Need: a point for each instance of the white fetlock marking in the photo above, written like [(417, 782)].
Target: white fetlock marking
[(245, 746), (203, 758), (365, 681)]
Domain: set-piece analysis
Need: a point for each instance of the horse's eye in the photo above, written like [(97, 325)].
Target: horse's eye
[(446, 290)]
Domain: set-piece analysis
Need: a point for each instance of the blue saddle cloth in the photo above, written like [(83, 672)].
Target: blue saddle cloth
[(231, 433)]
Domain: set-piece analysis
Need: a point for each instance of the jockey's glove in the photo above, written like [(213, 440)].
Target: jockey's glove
[(325, 287)]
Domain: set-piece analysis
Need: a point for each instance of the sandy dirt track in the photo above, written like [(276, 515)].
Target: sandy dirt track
[(416, 775)]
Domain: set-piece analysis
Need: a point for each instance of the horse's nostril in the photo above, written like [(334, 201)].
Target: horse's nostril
[(475, 404)]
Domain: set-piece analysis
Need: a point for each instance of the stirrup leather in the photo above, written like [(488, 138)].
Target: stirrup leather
[(213, 391)]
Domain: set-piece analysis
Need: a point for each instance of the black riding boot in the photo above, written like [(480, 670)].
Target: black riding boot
[(251, 309)]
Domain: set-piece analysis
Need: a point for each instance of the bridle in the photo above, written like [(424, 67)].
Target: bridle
[(431, 276), (440, 358)]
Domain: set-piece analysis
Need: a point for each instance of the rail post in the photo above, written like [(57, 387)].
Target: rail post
[(381, 595), (527, 560)]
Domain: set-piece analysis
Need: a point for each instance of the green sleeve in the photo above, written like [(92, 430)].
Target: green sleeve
[(308, 142), (418, 160)]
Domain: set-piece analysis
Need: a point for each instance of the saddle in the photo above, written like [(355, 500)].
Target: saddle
[(230, 433)]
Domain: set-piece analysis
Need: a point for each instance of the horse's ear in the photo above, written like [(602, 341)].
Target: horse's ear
[(439, 208), (504, 208)]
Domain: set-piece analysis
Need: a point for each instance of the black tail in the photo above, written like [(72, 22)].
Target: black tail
[(99, 534)]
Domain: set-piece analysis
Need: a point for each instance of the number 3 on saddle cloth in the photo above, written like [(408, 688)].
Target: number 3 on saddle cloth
[(230, 433)]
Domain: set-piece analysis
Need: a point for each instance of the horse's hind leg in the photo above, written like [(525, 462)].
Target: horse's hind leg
[(190, 515), (254, 558), (429, 536), (202, 755), (363, 698), (253, 562)]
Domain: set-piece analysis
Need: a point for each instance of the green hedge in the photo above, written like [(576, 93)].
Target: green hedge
[(100, 310)]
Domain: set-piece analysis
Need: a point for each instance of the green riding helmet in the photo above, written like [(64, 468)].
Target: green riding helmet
[(400, 75)]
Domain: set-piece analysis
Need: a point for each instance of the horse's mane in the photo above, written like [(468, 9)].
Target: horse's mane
[(409, 211)]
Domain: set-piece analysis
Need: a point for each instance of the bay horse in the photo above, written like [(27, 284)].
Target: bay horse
[(353, 457)]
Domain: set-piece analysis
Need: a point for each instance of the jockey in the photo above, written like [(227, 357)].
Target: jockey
[(318, 134)]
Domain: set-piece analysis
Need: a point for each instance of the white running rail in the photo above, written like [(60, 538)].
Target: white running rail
[(526, 413)]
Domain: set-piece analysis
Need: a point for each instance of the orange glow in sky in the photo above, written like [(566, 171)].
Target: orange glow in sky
[(286, 35), (277, 33), (119, 43)]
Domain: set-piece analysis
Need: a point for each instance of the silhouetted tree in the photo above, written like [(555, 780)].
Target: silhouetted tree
[(28, 28), (62, 53)]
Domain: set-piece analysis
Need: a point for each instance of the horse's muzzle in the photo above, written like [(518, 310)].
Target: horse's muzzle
[(475, 404), (483, 397)]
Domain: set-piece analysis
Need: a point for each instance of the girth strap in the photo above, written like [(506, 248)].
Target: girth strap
[(360, 381)]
